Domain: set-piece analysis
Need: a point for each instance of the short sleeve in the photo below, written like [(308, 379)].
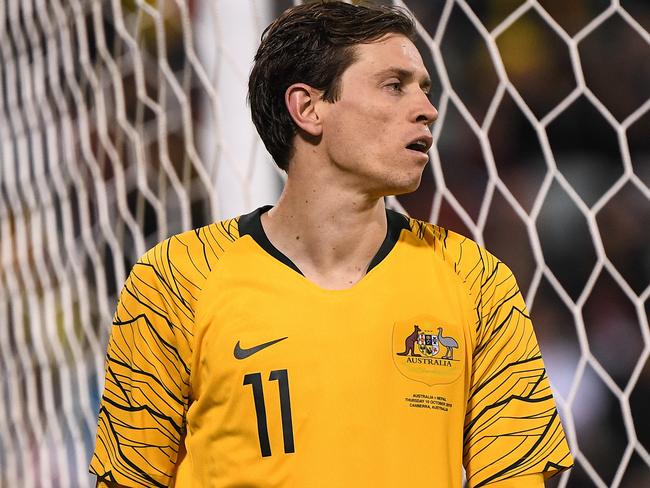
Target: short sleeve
[(146, 391), (512, 427)]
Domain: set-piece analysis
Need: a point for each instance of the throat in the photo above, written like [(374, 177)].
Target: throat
[(335, 279), (331, 261), (332, 257)]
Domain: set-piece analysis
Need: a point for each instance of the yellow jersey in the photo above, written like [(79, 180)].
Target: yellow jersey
[(226, 367)]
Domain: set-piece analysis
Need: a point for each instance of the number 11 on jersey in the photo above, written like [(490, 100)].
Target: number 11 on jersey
[(255, 380)]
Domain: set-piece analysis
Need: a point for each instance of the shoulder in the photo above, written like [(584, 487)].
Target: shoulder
[(465, 256), (188, 258), (170, 277), (483, 275), (197, 249)]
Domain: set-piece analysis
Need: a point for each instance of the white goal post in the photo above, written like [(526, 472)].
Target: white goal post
[(125, 121)]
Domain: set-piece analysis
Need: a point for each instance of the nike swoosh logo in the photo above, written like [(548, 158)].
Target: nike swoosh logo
[(241, 353)]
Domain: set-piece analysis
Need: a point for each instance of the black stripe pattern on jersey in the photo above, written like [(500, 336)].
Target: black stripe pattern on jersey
[(141, 422), (512, 427)]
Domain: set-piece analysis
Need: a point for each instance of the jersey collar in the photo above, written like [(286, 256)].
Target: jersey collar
[(251, 224)]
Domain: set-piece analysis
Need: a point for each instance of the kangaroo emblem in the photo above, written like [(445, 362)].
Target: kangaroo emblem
[(409, 343)]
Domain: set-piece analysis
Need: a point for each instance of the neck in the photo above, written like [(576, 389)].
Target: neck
[(329, 231)]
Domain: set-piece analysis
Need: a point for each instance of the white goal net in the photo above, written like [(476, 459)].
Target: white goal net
[(124, 121)]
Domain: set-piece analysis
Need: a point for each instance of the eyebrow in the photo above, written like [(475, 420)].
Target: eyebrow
[(425, 81)]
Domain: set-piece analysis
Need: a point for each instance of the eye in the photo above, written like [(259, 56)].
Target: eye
[(395, 86)]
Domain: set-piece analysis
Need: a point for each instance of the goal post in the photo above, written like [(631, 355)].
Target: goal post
[(123, 122)]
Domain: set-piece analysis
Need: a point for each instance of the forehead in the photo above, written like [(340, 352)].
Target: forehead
[(390, 50)]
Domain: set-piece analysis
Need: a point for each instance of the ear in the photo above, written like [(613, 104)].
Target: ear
[(301, 101)]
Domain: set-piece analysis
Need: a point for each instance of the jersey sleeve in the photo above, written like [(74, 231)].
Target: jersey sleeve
[(512, 427), (142, 411)]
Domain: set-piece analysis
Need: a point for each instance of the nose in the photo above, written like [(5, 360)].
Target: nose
[(426, 113)]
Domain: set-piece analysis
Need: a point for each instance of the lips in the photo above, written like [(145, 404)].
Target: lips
[(420, 144)]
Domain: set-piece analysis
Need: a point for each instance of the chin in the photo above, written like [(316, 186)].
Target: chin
[(406, 190), (402, 187), (391, 181)]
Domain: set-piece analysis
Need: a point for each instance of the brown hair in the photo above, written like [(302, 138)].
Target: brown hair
[(313, 44)]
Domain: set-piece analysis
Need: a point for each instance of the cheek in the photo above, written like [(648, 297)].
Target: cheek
[(362, 126), (364, 113)]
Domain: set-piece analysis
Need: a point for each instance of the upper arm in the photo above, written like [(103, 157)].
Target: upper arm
[(142, 413), (512, 427)]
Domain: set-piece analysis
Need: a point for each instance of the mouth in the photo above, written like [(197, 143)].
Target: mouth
[(421, 145)]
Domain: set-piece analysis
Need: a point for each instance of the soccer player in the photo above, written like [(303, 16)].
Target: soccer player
[(328, 341)]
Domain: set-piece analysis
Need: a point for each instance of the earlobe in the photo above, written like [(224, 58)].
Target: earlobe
[(301, 101)]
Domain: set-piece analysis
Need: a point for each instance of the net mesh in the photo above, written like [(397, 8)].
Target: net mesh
[(124, 121)]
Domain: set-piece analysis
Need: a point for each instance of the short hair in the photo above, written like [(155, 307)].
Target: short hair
[(313, 44)]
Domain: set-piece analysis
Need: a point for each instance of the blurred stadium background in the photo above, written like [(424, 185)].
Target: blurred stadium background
[(124, 121)]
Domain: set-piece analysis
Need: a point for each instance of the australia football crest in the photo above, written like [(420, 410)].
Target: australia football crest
[(427, 350), (427, 344)]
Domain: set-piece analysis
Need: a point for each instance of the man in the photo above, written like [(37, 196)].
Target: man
[(328, 342)]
